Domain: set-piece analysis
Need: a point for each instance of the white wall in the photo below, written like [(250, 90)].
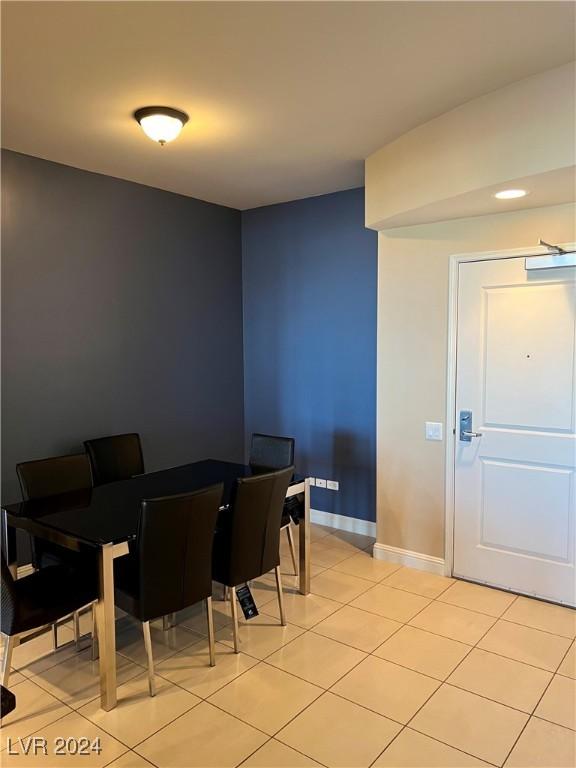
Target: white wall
[(444, 173), (450, 166), (412, 352)]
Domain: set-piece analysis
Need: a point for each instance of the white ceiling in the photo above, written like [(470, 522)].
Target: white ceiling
[(285, 99)]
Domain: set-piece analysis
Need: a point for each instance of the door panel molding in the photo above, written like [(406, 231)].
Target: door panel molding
[(451, 365)]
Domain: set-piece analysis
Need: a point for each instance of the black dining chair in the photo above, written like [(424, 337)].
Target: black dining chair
[(118, 457), (171, 566), (32, 603), (268, 453), (247, 542), (53, 477)]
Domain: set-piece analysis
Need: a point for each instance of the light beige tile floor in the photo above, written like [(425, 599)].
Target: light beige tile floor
[(558, 705), (386, 688), (532, 646), (36, 709), (544, 745), (419, 582), (411, 749), (478, 598), (266, 697), (276, 754), (137, 715), (500, 679), (391, 603), (380, 666), (568, 666), (338, 733), (360, 629), (454, 622), (317, 659), (471, 723), (101, 748), (423, 651)]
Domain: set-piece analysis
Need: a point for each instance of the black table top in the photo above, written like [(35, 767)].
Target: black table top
[(110, 513)]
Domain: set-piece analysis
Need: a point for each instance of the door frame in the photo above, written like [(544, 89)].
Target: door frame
[(450, 456)]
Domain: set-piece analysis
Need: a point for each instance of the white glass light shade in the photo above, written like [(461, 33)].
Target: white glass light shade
[(161, 124)]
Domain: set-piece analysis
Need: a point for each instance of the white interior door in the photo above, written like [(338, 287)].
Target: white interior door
[(515, 489)]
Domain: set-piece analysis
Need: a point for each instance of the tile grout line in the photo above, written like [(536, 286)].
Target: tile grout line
[(443, 682), (474, 647), (323, 690), (535, 629), (327, 690), (527, 721), (154, 733)]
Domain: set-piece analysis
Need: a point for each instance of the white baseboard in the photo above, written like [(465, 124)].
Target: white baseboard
[(343, 523), (411, 559)]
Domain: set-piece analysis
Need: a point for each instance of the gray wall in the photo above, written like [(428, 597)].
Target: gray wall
[(121, 311)]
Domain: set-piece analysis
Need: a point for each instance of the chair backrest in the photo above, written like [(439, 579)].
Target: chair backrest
[(51, 477), (255, 519), (8, 603), (118, 457), (269, 452), (174, 545)]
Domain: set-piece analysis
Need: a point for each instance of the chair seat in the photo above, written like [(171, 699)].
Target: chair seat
[(223, 570), (48, 595), (127, 591)]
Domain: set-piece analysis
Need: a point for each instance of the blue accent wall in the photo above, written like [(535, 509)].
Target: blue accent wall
[(309, 302)]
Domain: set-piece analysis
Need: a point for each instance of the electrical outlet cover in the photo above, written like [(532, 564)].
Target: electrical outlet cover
[(333, 485)]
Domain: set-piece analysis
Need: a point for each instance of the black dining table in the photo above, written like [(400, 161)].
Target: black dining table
[(105, 519)]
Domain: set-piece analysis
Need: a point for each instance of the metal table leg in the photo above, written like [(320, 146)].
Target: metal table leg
[(106, 624), (304, 548), (106, 629)]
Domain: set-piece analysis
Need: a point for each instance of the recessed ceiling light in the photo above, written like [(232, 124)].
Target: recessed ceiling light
[(510, 194), (161, 124)]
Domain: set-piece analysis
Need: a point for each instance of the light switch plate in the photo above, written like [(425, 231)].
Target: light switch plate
[(434, 430), (320, 483)]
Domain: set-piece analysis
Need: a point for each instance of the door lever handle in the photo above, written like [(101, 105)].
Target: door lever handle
[(466, 431)]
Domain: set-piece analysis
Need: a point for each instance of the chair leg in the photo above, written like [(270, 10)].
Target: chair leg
[(211, 643), (234, 608), (9, 644), (55, 636), (168, 621), (94, 653), (292, 547), (76, 625), (148, 645), (280, 595)]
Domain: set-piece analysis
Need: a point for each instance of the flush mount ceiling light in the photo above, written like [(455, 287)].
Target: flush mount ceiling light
[(161, 124), (510, 194)]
